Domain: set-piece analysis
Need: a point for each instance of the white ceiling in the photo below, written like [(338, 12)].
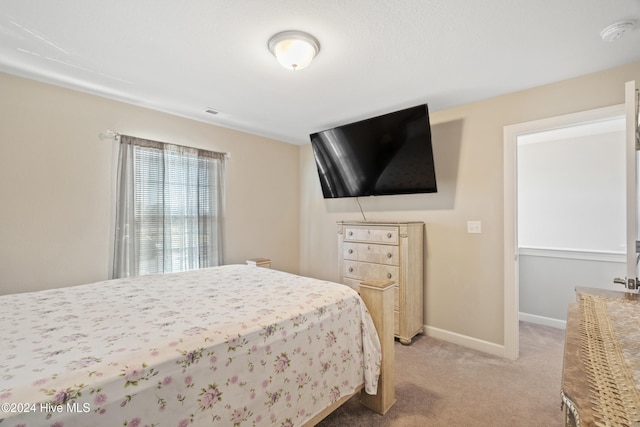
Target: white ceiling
[(376, 56)]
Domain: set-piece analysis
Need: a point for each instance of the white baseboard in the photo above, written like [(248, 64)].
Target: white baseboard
[(465, 341), (541, 320)]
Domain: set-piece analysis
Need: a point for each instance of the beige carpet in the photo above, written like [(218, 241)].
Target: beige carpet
[(441, 384)]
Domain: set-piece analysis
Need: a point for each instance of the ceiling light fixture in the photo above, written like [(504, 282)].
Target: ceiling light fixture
[(615, 31), (294, 49)]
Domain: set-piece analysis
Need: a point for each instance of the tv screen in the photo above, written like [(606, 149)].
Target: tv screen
[(388, 154)]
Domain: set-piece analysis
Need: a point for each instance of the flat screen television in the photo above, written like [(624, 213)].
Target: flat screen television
[(388, 154)]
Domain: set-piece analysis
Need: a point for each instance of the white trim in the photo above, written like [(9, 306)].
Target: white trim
[(465, 341), (587, 255), (510, 134), (542, 320), (631, 178), (598, 128), (511, 287)]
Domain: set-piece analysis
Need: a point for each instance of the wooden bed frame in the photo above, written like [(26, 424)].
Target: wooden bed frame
[(378, 297)]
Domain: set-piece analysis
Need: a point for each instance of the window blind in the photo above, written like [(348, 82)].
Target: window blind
[(175, 219)]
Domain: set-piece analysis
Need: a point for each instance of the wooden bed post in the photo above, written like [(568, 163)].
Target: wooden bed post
[(379, 296)]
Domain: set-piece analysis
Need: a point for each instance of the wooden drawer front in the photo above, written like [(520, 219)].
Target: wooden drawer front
[(370, 271), (389, 255), (351, 270), (389, 272), (367, 270), (368, 252), (387, 235), (350, 251)]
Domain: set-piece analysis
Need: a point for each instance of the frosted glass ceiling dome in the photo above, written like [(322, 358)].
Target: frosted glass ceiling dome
[(294, 50)]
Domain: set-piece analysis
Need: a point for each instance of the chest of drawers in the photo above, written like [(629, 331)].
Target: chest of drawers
[(387, 251)]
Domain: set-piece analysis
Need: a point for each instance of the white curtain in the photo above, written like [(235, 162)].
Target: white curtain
[(169, 209)]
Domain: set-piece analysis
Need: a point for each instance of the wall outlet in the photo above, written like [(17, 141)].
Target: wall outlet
[(474, 227)]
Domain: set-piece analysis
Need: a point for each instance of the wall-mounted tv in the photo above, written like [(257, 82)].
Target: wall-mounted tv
[(388, 154)]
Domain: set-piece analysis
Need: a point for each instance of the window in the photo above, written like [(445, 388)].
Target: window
[(169, 208)]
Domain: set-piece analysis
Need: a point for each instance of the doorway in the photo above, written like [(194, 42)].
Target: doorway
[(512, 134), (571, 214)]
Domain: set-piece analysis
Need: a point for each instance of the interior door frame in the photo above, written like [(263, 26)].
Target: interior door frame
[(631, 184), (511, 259)]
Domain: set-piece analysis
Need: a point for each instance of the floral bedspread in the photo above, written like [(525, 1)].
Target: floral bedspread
[(225, 346)]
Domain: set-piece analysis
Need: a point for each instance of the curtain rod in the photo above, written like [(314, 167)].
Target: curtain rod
[(111, 134)]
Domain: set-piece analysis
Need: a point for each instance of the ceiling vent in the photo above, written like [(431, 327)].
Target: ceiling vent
[(212, 111)]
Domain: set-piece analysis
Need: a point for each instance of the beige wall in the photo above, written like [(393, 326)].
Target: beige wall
[(56, 185), (56, 192), (464, 272)]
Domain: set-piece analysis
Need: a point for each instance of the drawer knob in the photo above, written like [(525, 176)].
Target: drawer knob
[(389, 255), (388, 275), (389, 235), (350, 269), (350, 251), (351, 233)]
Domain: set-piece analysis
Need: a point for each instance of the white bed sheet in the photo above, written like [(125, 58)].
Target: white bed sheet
[(232, 345)]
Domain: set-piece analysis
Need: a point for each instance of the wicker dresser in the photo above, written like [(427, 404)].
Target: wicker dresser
[(601, 369), (387, 251)]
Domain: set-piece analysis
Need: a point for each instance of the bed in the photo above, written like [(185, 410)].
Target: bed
[(232, 345)]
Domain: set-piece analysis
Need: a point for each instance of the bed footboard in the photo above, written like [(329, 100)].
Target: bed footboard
[(378, 296)]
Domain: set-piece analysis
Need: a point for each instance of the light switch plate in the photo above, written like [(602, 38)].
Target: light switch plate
[(474, 227)]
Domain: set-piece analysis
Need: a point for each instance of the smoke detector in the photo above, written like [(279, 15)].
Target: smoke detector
[(615, 31)]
